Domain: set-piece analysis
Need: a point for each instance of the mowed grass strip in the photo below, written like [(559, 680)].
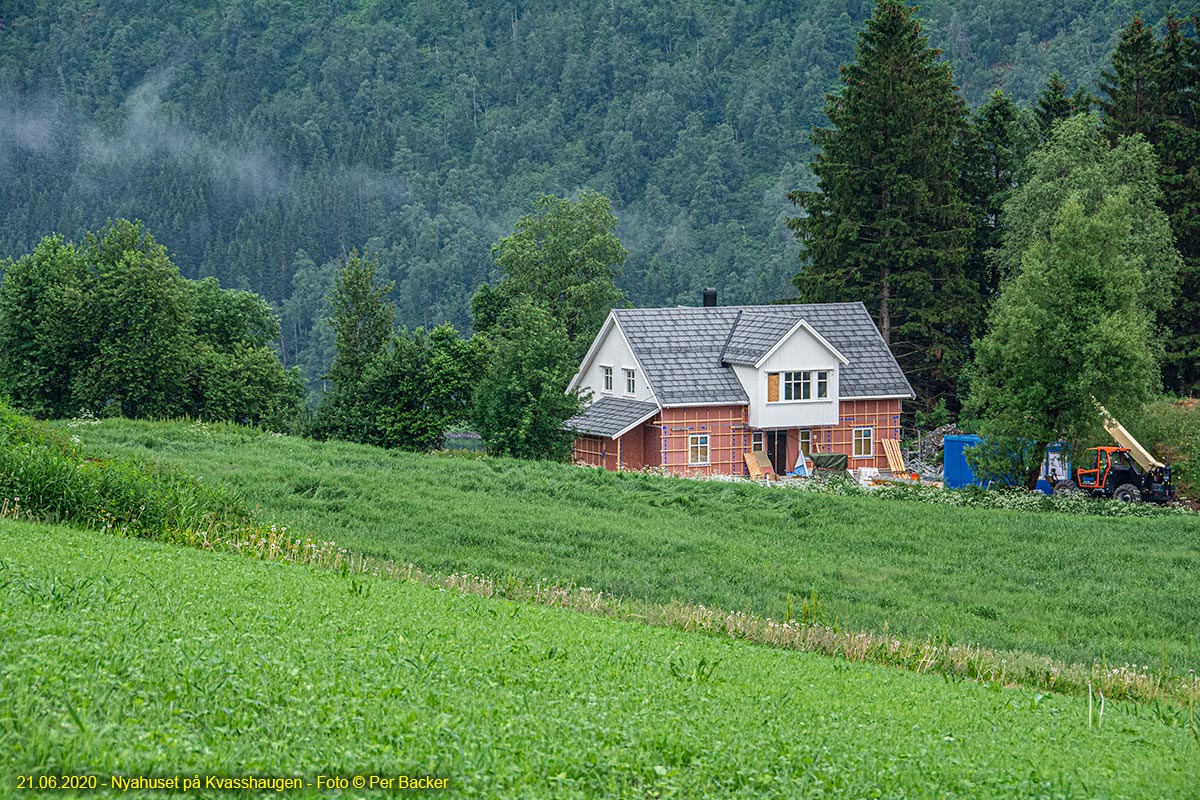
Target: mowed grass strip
[(1075, 588), (131, 657)]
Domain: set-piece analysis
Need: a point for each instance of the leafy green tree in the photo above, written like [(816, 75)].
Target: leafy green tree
[(1070, 325), (520, 403), (111, 327), (361, 318), (227, 318), (390, 389), (245, 384), (1078, 161), (38, 347), (418, 387), (565, 257), (888, 224), (136, 324)]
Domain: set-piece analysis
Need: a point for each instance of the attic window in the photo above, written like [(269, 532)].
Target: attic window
[(801, 385), (630, 381), (607, 374)]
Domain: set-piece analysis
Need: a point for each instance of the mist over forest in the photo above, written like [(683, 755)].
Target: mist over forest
[(261, 141)]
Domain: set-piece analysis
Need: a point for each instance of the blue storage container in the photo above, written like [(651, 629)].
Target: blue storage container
[(957, 472), (955, 469)]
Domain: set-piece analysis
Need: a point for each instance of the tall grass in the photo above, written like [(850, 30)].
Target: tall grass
[(45, 476)]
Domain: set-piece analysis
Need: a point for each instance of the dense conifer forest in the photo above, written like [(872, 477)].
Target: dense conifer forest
[(260, 141)]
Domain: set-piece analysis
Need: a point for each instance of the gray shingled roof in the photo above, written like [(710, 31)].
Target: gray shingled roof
[(680, 348), (608, 416)]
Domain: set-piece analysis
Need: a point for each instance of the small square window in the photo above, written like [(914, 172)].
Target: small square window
[(698, 449), (606, 374), (630, 382), (864, 442)]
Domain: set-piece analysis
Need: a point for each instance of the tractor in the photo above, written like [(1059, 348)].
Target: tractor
[(1129, 472), (1114, 473)]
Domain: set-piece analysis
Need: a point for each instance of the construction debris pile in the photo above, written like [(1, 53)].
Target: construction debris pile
[(925, 458)]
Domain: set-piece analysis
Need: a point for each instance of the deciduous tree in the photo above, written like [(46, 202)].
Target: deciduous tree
[(520, 402), (566, 258), (1069, 326), (1078, 161)]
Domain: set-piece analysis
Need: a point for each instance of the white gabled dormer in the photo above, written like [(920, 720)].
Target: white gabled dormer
[(610, 369), (795, 382)]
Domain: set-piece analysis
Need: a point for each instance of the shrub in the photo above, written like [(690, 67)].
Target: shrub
[(45, 476), (1171, 429)]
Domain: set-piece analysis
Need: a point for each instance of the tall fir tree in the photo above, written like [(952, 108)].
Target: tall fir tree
[(1053, 104), (1130, 101), (1178, 147), (995, 147), (888, 225)]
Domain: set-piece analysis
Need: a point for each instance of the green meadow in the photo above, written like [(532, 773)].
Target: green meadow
[(1078, 588), (132, 657)]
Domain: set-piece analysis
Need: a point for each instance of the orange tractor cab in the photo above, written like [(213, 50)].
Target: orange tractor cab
[(1113, 472)]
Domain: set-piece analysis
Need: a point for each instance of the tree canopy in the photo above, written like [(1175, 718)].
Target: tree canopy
[(1078, 161), (110, 327), (1069, 327), (566, 258)]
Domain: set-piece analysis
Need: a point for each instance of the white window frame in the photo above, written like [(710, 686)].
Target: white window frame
[(858, 439), (630, 381), (606, 378), (806, 433), (803, 386), (757, 442), (694, 446)]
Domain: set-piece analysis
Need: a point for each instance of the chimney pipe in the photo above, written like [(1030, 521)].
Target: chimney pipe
[(710, 298)]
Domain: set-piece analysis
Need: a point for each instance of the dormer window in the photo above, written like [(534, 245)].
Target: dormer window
[(606, 375), (800, 385), (630, 381)]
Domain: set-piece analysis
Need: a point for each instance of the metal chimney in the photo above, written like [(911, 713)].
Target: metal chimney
[(710, 298)]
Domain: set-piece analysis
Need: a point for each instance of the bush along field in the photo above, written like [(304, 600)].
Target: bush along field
[(130, 657), (1051, 600)]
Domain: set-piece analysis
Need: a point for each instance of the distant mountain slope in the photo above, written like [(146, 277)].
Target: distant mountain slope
[(246, 133)]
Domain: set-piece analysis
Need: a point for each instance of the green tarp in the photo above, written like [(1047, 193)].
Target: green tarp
[(832, 461)]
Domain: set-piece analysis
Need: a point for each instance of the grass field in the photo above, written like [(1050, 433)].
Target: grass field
[(131, 657), (1076, 588)]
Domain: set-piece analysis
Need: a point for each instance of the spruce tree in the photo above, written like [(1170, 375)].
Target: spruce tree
[(1000, 138), (1130, 103), (888, 225), (1053, 104), (1178, 147)]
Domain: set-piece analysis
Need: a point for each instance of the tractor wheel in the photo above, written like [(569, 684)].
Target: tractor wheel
[(1128, 493), (1066, 488)]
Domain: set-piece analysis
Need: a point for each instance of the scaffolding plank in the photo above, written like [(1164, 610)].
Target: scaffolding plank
[(895, 459)]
